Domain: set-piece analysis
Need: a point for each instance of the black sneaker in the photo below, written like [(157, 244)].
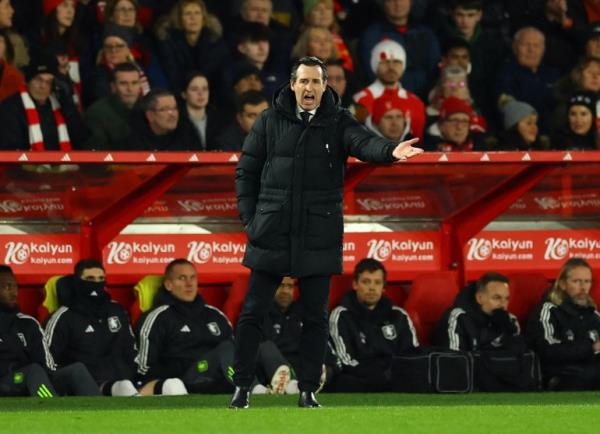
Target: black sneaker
[(240, 398), (308, 400)]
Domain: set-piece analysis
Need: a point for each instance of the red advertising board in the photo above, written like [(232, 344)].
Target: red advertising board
[(40, 253)]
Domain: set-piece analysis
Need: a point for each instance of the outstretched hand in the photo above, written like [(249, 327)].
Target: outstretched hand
[(405, 150)]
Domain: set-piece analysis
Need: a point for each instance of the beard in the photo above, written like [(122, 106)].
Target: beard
[(582, 301)]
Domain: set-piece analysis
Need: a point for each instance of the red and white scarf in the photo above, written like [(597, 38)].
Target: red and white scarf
[(36, 137), (75, 77)]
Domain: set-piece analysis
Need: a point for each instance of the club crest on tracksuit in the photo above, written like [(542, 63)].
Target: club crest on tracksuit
[(114, 324), (389, 332), (22, 338), (213, 327)]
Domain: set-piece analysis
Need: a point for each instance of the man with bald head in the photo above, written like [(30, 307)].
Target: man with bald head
[(525, 77)]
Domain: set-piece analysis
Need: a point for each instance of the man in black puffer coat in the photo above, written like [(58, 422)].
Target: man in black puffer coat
[(289, 186)]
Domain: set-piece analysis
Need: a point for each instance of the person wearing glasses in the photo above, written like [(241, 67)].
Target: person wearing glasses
[(90, 328), (158, 126), (454, 126)]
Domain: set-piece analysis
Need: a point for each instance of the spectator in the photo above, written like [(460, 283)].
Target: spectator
[(320, 13), (63, 81), (486, 49), (592, 44), (157, 126), (26, 365), (585, 77), (525, 78), (254, 48), (37, 119), (185, 344), (479, 319), (21, 52), (564, 330), (250, 104), (197, 108), (521, 132), (388, 61), (115, 50), (452, 83), (388, 118), (10, 77), (261, 11), (317, 42), (126, 13), (367, 330), (454, 125), (341, 80), (457, 52), (580, 131), (91, 329), (421, 45), (107, 119), (189, 39)]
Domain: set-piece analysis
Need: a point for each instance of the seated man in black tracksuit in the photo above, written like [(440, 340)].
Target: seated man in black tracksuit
[(564, 330), (479, 319), (367, 330), (91, 329), (185, 345), (26, 365)]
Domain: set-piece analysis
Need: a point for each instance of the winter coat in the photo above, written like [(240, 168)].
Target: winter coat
[(107, 120), (466, 327), (366, 340), (21, 342), (290, 183), (92, 329), (176, 334)]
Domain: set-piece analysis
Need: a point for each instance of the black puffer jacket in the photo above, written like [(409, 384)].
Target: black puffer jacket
[(468, 328), (289, 185)]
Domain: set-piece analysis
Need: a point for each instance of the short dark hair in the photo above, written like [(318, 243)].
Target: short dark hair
[(85, 264), (454, 42), (189, 77), (368, 264), (123, 67), (148, 101), (467, 4), (253, 32), (309, 61), (488, 277), (174, 263), (5, 269), (252, 97)]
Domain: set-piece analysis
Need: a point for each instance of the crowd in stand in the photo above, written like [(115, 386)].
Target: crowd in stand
[(180, 344), (193, 74)]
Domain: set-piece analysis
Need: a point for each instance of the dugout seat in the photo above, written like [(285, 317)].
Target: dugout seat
[(237, 292), (340, 285), (595, 291), (429, 296), (526, 291)]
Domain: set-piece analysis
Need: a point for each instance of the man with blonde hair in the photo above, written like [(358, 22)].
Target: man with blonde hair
[(565, 331)]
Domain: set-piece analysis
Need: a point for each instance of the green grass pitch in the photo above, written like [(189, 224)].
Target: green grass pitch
[(345, 414)]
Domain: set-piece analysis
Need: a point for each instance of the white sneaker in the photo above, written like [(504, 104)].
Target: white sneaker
[(280, 379), (123, 388), (259, 389), (174, 387), (292, 388)]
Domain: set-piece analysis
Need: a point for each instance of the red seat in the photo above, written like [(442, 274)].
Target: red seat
[(340, 285), (396, 292), (29, 299), (430, 295), (526, 291), (215, 295), (595, 291), (122, 295), (134, 311), (235, 298)]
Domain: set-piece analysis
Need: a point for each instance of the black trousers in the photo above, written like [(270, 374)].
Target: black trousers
[(314, 294), (212, 373)]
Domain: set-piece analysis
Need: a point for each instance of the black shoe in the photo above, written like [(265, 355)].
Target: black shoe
[(241, 398), (308, 400)]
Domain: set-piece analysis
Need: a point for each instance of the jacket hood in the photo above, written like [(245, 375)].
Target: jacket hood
[(165, 298), (350, 301), (284, 102)]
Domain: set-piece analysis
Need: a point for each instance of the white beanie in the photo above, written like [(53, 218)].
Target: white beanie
[(386, 50)]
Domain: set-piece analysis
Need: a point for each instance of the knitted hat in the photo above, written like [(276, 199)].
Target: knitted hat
[(452, 105), (586, 99), (515, 111), (127, 34), (310, 4), (388, 100), (50, 5), (387, 50), (45, 64)]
